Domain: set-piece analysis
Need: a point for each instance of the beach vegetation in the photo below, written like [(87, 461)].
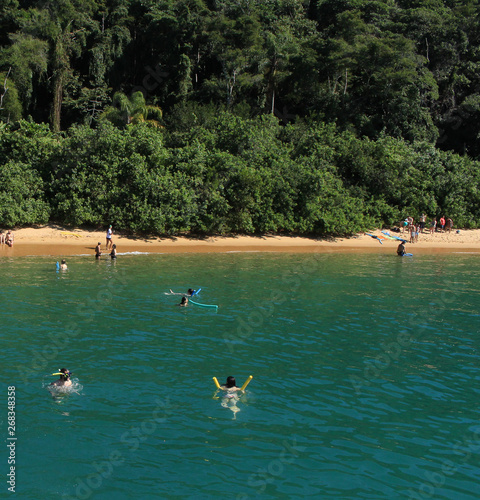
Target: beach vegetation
[(190, 116)]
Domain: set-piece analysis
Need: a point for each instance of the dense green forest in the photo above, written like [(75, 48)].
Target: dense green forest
[(248, 116)]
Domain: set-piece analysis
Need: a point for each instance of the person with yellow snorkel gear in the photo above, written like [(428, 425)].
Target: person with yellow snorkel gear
[(64, 380)]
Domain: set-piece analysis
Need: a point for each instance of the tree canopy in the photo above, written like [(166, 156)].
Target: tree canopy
[(321, 116)]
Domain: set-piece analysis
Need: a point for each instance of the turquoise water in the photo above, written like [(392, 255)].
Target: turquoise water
[(366, 377)]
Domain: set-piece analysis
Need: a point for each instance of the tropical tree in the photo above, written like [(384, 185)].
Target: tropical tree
[(131, 110)]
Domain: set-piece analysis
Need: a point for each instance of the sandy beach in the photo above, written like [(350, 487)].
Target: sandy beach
[(59, 241)]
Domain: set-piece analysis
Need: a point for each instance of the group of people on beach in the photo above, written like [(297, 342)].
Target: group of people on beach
[(442, 226), (6, 239), (109, 245), (412, 228)]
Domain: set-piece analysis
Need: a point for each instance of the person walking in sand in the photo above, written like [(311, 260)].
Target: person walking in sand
[(109, 237)]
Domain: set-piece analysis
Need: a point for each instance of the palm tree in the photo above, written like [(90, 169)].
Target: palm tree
[(131, 110)]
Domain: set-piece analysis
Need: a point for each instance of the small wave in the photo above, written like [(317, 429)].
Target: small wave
[(133, 253), (58, 390)]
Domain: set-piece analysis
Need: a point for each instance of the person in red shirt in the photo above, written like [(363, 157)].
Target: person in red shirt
[(442, 223)]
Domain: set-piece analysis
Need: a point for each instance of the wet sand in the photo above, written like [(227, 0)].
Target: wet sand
[(58, 241)]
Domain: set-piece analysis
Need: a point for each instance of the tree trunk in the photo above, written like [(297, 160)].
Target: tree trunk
[(57, 101)]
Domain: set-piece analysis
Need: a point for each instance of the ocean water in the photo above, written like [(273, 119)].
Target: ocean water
[(366, 377)]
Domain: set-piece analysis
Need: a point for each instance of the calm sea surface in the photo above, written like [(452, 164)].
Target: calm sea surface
[(366, 377)]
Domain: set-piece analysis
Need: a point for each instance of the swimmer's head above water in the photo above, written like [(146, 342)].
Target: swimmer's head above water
[(64, 374), (64, 380), (230, 382)]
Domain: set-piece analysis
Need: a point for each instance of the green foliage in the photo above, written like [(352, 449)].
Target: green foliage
[(10, 105), (131, 110), (302, 117), (229, 174), (21, 196)]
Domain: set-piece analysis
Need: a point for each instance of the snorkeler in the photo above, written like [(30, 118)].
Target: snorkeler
[(64, 380)]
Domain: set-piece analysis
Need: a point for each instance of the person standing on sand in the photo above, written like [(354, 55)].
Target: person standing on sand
[(442, 223), (433, 226), (413, 230), (109, 237), (423, 219), (449, 224)]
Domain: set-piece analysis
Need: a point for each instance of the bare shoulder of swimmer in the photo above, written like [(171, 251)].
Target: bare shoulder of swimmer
[(231, 389)]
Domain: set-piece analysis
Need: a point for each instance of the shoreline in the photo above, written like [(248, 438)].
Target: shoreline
[(59, 241)]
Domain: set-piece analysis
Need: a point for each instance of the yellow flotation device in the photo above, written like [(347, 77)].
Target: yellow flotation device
[(246, 383), (216, 382)]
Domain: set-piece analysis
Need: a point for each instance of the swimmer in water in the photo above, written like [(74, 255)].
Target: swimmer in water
[(64, 380), (230, 397), (63, 265), (401, 248), (230, 385), (184, 302), (113, 253), (98, 250), (190, 292)]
